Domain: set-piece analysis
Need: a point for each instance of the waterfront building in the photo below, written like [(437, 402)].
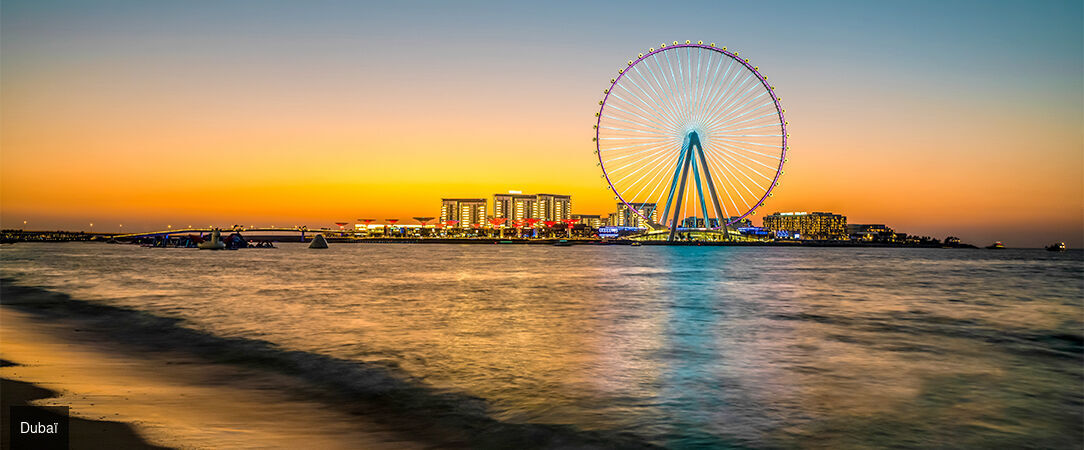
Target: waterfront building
[(590, 220), (552, 207), (513, 206), (626, 217), (742, 223), (467, 211), (805, 225), (870, 232)]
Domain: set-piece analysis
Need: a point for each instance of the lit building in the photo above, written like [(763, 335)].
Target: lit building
[(815, 225), (626, 217), (870, 232), (467, 211), (742, 223), (513, 206), (552, 207), (591, 220)]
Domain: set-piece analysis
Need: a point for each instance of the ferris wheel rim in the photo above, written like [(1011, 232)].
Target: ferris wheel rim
[(734, 57)]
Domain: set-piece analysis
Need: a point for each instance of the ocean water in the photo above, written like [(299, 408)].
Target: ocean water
[(678, 347)]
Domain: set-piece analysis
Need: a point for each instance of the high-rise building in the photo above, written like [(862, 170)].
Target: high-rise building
[(626, 217), (815, 225), (513, 206), (552, 207), (467, 211)]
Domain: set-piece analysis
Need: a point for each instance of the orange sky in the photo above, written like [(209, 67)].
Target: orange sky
[(181, 129)]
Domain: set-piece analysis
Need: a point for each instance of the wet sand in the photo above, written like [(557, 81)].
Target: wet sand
[(84, 434), (120, 399)]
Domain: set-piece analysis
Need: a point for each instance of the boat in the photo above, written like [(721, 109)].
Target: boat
[(215, 243), (1058, 247), (636, 244), (562, 243), (997, 245)]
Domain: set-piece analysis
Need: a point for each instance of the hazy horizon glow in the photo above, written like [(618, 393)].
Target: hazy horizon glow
[(936, 119)]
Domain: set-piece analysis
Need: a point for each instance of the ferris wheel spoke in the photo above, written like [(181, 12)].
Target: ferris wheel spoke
[(626, 147), (677, 92), (655, 133), (745, 142), (663, 111), (725, 185), (773, 124), (661, 116), (744, 109), (755, 171), (660, 156), (723, 95), (653, 150), (735, 111), (697, 83), (727, 108), (733, 171), (662, 170), (665, 89), (732, 163), (642, 109), (620, 119), (715, 84), (659, 169), (652, 123), (734, 188), (724, 147)]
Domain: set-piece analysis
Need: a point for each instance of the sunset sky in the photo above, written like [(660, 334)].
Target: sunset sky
[(936, 118)]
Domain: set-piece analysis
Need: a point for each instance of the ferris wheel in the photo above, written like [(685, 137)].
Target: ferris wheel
[(697, 111)]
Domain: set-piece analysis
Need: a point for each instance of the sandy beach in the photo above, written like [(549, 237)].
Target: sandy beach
[(121, 397)]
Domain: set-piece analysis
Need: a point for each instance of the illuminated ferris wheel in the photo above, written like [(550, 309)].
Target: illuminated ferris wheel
[(696, 111)]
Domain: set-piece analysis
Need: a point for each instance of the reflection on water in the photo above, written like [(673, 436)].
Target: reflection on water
[(683, 346)]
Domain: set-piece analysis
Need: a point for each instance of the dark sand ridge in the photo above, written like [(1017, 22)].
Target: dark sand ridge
[(357, 404), (87, 434)]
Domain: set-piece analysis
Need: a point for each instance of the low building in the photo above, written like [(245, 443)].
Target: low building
[(870, 232), (806, 225), (590, 220)]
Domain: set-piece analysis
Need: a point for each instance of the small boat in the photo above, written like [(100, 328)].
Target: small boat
[(215, 243), (562, 243), (636, 244), (996, 246), (1058, 247)]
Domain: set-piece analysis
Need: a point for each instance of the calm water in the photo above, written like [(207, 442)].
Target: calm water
[(680, 346)]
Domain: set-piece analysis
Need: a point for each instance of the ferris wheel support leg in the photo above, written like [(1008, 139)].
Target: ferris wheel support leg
[(714, 196), (699, 193), (681, 191)]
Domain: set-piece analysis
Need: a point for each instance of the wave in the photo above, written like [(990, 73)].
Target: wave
[(439, 416)]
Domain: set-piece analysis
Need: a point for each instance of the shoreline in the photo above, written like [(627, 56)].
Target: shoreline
[(582, 241), (181, 387), (84, 433)]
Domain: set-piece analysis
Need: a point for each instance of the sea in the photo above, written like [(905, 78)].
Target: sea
[(621, 346)]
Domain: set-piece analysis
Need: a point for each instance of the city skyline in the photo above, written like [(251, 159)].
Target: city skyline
[(291, 115)]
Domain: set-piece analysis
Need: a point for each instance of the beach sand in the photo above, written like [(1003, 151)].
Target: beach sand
[(86, 434), (120, 399)]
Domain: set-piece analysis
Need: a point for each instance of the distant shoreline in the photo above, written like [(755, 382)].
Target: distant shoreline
[(572, 241)]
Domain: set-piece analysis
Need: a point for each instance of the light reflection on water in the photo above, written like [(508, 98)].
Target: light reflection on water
[(684, 346)]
